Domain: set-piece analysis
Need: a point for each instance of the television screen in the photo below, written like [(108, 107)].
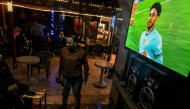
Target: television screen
[(160, 30)]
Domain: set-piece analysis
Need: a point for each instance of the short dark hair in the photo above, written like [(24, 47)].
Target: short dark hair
[(158, 7), (75, 38)]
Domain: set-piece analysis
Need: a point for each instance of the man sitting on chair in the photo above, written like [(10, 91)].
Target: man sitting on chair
[(21, 41), (11, 90)]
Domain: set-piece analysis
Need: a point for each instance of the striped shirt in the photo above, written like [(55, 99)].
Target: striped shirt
[(37, 30)]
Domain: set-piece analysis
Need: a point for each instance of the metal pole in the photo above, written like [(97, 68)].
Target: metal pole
[(13, 39), (4, 21), (80, 6), (11, 26)]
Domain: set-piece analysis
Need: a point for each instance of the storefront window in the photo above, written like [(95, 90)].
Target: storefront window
[(92, 30)]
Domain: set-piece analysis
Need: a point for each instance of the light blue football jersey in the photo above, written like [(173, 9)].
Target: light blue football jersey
[(150, 45)]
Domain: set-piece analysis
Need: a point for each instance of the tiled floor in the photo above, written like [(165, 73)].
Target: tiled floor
[(92, 97)]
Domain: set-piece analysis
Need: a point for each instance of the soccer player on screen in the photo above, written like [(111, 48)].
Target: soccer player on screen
[(150, 44)]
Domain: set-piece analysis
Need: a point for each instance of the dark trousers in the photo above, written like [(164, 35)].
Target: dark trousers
[(38, 43), (12, 98), (76, 84)]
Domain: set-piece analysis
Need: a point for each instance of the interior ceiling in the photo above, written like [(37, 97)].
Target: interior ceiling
[(99, 1), (105, 2), (89, 8)]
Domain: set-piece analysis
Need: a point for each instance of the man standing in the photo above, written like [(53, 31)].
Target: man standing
[(72, 58), (38, 36), (150, 44)]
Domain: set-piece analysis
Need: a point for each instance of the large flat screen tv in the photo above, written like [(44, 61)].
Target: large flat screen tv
[(161, 34)]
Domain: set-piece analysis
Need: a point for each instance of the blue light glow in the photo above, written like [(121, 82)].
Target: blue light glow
[(62, 21), (113, 21), (52, 27)]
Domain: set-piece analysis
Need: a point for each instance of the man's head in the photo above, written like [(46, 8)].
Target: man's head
[(61, 34), (155, 12), (71, 42), (17, 31)]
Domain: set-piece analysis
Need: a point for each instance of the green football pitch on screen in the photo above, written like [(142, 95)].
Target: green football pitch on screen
[(174, 26)]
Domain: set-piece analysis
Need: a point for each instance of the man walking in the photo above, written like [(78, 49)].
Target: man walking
[(72, 58)]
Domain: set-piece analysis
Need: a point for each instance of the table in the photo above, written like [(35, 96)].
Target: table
[(28, 60), (103, 65), (39, 95)]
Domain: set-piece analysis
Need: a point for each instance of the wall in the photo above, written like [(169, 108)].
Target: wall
[(125, 5), (121, 58)]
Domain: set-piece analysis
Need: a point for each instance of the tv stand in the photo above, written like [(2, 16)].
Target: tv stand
[(124, 101)]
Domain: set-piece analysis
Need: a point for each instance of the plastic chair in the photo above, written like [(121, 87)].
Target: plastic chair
[(107, 52), (24, 48), (45, 61)]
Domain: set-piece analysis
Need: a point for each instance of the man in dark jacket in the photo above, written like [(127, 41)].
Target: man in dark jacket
[(22, 43), (72, 58), (11, 90)]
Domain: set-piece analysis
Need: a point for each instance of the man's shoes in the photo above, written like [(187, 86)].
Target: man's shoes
[(63, 107)]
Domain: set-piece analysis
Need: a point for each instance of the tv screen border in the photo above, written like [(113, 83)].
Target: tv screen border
[(127, 25)]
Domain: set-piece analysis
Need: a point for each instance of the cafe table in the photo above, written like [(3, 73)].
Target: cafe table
[(104, 65), (28, 60)]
